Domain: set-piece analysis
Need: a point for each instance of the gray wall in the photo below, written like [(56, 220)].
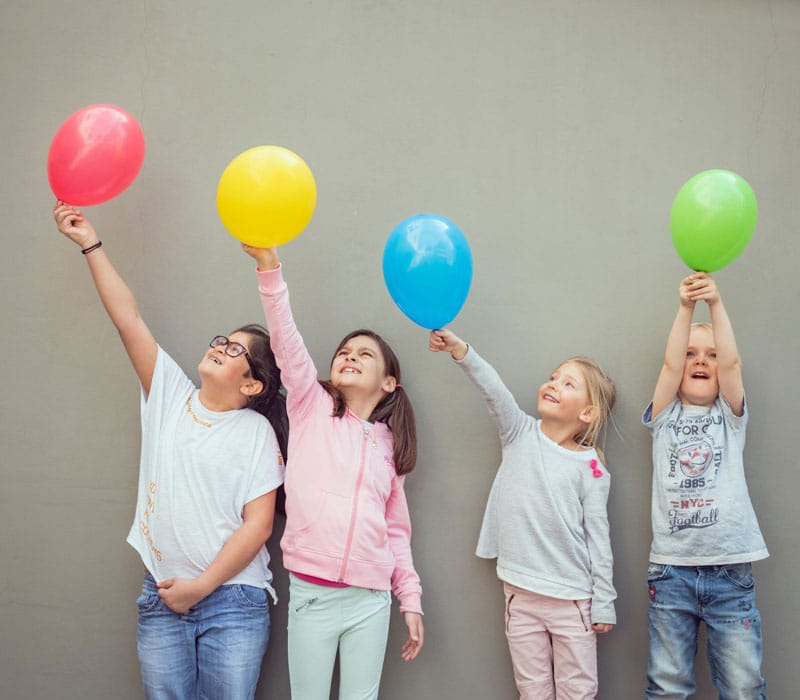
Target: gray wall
[(556, 135)]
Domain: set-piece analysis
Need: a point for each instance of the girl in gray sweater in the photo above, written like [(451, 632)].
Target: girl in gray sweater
[(546, 523)]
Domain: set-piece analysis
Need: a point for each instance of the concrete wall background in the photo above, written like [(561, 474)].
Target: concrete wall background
[(555, 134)]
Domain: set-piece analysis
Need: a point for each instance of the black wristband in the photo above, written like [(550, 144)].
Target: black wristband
[(92, 247)]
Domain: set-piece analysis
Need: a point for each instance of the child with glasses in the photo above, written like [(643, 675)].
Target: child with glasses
[(347, 541), (211, 461), (705, 531)]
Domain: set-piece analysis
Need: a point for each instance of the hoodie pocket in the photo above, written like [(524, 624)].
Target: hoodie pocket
[(325, 529)]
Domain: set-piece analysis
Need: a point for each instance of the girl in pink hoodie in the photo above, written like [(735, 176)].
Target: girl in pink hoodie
[(347, 541)]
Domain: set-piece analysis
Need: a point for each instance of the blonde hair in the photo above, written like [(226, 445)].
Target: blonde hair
[(702, 324), (602, 395)]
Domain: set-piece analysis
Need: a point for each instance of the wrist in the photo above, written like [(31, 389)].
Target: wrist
[(267, 259), (459, 352), (267, 264), (88, 248)]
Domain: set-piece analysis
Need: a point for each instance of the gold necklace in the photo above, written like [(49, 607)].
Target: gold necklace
[(197, 420)]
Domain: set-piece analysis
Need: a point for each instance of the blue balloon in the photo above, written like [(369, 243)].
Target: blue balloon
[(427, 267)]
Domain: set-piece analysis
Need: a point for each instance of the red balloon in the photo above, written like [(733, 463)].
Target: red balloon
[(96, 153)]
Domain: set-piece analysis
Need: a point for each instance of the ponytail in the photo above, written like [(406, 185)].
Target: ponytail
[(397, 412)]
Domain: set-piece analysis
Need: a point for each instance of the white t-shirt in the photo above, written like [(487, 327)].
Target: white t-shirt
[(198, 470), (701, 509)]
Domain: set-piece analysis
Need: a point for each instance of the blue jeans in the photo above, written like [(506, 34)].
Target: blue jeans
[(724, 598), (213, 651)]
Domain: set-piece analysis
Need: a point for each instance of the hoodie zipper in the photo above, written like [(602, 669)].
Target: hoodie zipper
[(354, 510)]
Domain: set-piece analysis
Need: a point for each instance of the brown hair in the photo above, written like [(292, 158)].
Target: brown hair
[(395, 409)]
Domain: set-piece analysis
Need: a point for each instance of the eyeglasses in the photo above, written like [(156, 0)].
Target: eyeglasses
[(232, 349)]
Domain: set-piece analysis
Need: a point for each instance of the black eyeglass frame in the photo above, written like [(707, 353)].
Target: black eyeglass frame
[(237, 348)]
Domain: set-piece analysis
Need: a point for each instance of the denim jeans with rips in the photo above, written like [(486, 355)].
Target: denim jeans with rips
[(723, 597), (213, 651)]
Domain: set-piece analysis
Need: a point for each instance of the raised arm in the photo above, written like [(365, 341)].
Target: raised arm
[(669, 379), (729, 368), (298, 373), (117, 298), (503, 407)]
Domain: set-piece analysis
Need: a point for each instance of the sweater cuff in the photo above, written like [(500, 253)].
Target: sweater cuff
[(412, 604), (604, 615), (269, 280)]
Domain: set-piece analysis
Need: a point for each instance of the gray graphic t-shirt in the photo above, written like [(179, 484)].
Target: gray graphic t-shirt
[(701, 511)]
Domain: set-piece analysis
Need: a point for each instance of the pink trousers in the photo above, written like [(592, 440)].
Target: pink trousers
[(552, 644)]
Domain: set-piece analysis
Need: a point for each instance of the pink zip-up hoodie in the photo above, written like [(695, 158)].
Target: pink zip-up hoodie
[(347, 516)]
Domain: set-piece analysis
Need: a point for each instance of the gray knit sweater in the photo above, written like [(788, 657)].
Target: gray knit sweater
[(545, 519)]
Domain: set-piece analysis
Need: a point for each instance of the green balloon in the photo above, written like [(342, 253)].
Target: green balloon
[(713, 218)]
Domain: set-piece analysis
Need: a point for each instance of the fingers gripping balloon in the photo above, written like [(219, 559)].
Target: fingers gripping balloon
[(713, 218), (427, 267), (95, 155)]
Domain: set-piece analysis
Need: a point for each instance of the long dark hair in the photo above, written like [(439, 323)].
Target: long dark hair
[(270, 402), (394, 409)]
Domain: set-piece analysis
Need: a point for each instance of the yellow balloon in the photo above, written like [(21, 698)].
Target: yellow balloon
[(266, 196)]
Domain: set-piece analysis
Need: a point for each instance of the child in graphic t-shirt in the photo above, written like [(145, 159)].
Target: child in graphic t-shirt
[(705, 532)]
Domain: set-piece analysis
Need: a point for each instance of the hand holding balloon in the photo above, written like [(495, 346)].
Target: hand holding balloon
[(699, 286), (266, 258), (444, 340), (712, 220), (74, 225), (427, 268)]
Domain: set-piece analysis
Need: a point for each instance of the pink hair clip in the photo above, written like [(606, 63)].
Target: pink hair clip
[(596, 473)]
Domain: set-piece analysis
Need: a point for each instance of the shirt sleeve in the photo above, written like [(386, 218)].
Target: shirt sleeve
[(298, 373), (737, 423), (405, 580), (269, 470), (598, 539), (168, 385), (511, 420)]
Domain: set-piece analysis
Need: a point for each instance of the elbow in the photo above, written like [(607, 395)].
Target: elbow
[(734, 364), (266, 532), (259, 532)]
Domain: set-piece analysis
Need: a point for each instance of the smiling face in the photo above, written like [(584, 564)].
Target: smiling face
[(699, 384), (358, 364), (220, 368), (564, 396)]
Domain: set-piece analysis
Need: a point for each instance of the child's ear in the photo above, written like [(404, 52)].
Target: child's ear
[(251, 387), (389, 384), (588, 414)]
